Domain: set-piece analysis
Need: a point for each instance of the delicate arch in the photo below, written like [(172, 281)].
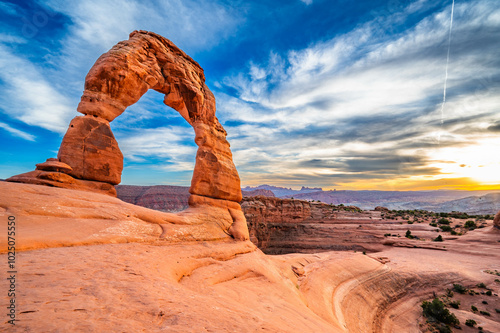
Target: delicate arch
[(89, 152)]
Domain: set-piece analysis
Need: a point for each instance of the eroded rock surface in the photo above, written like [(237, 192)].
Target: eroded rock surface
[(91, 156)]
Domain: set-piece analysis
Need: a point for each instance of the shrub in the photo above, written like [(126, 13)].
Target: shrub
[(470, 322), (484, 302), (497, 310), (445, 228), (454, 233), (438, 239), (443, 328), (387, 235), (481, 285), (473, 308), (455, 304), (409, 235), (470, 225), (485, 313), (443, 221), (433, 224), (439, 312), (459, 288), (489, 293)]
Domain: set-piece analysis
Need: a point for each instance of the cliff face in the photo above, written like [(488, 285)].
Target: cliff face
[(160, 197), (280, 226)]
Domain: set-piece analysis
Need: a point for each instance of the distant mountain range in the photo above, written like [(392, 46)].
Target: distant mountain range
[(174, 198), (471, 202), (283, 191)]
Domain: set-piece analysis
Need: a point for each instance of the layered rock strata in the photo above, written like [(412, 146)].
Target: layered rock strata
[(89, 153)]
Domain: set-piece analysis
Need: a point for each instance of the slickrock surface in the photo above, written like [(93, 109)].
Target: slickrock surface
[(90, 262)]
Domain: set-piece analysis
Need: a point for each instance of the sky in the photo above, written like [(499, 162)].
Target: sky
[(346, 95)]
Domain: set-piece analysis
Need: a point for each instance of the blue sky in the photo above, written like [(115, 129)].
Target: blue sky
[(337, 94)]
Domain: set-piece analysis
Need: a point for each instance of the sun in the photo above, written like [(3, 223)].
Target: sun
[(479, 162)]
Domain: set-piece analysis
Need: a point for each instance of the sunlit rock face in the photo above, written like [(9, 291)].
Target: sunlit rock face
[(89, 152)]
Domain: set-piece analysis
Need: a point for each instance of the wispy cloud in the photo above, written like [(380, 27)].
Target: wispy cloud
[(17, 133), (27, 96)]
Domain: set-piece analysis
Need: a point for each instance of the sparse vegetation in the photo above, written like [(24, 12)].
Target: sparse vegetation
[(495, 272), (445, 228), (481, 285), (473, 308), (443, 221), (409, 235), (459, 288), (470, 322), (489, 293), (485, 313), (455, 304), (471, 225), (438, 239), (437, 311)]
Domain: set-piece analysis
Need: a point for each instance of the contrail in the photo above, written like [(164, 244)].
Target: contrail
[(447, 61)]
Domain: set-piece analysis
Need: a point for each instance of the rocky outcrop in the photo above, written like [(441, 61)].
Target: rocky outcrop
[(90, 154)]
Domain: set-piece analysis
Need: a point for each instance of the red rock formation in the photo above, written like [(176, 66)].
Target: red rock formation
[(91, 150), (117, 80), (496, 220)]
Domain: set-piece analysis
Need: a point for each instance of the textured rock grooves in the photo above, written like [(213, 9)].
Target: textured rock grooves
[(117, 80)]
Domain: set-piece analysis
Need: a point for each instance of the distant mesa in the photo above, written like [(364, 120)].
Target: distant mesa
[(89, 157)]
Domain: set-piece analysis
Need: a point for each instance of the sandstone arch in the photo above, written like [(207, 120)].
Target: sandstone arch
[(89, 157)]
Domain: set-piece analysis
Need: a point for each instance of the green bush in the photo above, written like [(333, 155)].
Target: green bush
[(433, 224), (459, 288), (438, 239), (445, 228), (470, 225), (439, 312), (481, 285), (489, 293), (485, 313), (470, 322), (443, 221), (409, 235), (443, 328), (455, 304), (473, 308)]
